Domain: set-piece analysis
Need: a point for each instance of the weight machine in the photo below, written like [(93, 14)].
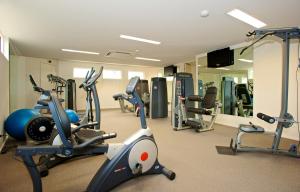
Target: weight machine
[(285, 119), (183, 107)]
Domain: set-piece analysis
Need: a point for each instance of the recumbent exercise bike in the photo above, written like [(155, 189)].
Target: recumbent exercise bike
[(136, 156)]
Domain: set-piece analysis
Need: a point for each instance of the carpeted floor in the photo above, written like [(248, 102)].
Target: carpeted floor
[(191, 155)]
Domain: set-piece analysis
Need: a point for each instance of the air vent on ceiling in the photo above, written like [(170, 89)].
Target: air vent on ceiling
[(120, 54)]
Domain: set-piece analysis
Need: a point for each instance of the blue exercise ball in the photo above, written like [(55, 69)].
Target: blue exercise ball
[(16, 122), (72, 115)]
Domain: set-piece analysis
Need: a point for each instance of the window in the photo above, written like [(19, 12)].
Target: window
[(236, 80), (244, 80), (1, 44), (170, 78), (112, 74), (80, 72), (135, 73)]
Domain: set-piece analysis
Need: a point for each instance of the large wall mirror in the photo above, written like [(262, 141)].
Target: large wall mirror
[(234, 83)]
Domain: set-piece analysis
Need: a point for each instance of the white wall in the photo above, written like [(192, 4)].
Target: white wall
[(106, 87), (267, 68), (21, 91), (267, 81), (23, 96), (4, 96)]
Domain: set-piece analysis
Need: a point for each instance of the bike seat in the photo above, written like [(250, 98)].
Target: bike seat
[(251, 128)]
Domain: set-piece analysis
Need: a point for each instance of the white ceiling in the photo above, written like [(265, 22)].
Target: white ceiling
[(41, 28)]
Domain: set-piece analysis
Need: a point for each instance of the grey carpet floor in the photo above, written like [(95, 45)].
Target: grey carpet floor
[(191, 155)]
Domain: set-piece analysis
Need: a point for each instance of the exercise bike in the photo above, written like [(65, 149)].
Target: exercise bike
[(136, 156)]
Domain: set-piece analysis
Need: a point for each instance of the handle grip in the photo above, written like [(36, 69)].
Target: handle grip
[(266, 118), (32, 81), (109, 136), (168, 173)]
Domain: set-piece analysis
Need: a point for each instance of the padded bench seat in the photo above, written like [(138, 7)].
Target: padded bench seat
[(193, 124), (199, 111), (120, 96), (251, 129)]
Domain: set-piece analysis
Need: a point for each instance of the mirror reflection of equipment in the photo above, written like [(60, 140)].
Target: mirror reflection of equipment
[(143, 91), (184, 113)]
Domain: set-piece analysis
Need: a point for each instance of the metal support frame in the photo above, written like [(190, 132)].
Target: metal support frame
[(4, 139), (122, 105), (241, 111), (239, 147), (124, 108), (182, 117), (285, 34), (97, 106), (26, 153), (136, 101)]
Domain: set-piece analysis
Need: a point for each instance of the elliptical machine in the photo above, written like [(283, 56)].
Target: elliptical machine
[(84, 131), (136, 156), (91, 92), (30, 125)]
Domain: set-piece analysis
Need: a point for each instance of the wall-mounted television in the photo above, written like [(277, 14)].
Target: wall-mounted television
[(220, 58), (170, 70)]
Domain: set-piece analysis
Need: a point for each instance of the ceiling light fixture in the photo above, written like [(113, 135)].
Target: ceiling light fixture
[(77, 51), (246, 60), (223, 68), (139, 39), (204, 13), (146, 59), (246, 18)]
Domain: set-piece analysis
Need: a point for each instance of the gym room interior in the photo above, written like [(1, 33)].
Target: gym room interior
[(191, 95)]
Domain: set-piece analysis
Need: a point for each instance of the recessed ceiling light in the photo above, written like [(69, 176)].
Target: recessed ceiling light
[(246, 60), (77, 51), (223, 68), (146, 59), (246, 18), (204, 13), (139, 39)]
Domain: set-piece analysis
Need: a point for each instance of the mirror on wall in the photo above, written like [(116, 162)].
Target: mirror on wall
[(234, 83)]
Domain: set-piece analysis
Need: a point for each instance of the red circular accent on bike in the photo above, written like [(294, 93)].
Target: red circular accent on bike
[(144, 156)]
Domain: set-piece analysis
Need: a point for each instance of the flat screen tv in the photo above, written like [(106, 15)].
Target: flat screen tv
[(170, 70), (220, 58)]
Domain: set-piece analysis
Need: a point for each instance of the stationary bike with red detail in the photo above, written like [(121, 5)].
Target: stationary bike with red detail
[(135, 157)]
